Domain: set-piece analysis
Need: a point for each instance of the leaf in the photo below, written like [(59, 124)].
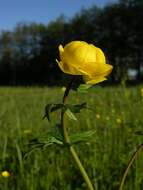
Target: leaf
[(42, 143), (49, 108), (71, 109), (54, 140), (70, 114), (39, 143), (77, 108), (81, 137), (33, 145), (83, 88), (56, 132)]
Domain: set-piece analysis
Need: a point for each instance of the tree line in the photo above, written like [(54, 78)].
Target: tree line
[(29, 51)]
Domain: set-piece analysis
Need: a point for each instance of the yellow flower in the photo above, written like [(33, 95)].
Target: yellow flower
[(81, 58), (27, 131), (118, 120), (97, 116), (5, 174)]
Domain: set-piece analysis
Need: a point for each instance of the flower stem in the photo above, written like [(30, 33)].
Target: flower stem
[(134, 156), (67, 140)]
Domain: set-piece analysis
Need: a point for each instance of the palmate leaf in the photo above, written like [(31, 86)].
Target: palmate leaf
[(72, 109), (82, 137), (70, 115), (51, 138), (48, 139), (42, 143), (78, 107), (49, 108), (54, 136), (56, 132), (69, 109)]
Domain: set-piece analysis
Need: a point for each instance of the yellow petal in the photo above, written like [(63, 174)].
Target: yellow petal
[(95, 69), (101, 69), (69, 69), (94, 80), (108, 69), (74, 45), (74, 53), (98, 76), (61, 50), (100, 57)]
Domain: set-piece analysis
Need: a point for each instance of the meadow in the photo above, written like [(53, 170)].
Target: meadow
[(118, 123)]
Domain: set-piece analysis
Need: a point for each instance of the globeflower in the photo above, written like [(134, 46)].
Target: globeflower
[(5, 174), (118, 120), (98, 116), (81, 58)]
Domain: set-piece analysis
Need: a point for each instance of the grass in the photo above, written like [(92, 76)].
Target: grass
[(117, 118)]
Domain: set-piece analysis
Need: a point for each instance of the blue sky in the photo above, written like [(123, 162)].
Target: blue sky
[(14, 11)]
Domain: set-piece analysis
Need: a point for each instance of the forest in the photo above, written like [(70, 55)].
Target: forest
[(28, 52)]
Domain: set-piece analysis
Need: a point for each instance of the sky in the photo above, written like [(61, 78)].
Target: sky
[(41, 11)]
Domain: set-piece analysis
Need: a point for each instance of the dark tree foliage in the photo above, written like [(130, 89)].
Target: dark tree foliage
[(28, 53)]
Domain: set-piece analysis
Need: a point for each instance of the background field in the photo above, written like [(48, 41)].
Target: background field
[(117, 118)]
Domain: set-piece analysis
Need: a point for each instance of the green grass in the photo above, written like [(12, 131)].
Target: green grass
[(118, 115)]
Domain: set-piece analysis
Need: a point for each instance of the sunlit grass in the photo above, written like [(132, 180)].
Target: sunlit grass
[(117, 118)]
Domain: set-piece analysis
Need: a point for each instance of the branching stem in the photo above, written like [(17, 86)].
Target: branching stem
[(67, 140)]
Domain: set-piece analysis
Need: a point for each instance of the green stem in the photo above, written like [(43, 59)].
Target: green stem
[(67, 140), (81, 168), (134, 156)]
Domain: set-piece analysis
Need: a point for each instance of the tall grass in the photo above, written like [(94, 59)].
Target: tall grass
[(117, 120)]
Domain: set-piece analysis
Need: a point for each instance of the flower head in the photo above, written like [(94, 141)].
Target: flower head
[(118, 120), (81, 58), (98, 116), (27, 131), (5, 174)]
